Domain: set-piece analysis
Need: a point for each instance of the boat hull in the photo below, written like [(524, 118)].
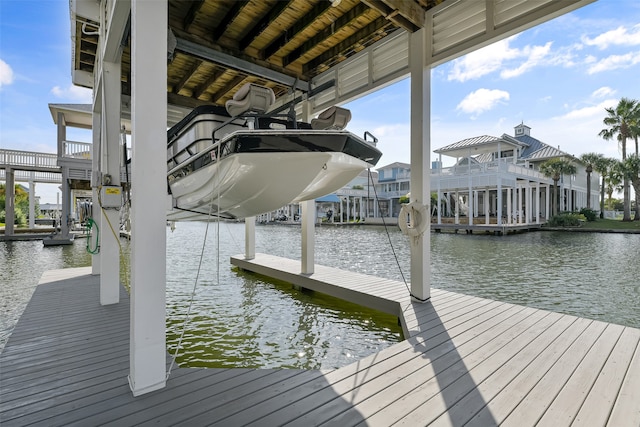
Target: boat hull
[(244, 184)]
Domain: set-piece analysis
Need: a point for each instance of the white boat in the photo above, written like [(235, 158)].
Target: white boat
[(246, 171)]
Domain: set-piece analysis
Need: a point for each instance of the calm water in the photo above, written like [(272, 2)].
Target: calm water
[(239, 319)]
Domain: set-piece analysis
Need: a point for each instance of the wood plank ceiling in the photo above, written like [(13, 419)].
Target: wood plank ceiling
[(297, 38)]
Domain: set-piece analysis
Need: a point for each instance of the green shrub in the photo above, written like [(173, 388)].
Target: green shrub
[(567, 220), (590, 214)]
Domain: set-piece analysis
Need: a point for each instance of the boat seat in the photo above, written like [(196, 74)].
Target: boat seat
[(332, 118), (250, 98)]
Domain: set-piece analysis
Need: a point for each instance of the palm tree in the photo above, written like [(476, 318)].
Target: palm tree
[(603, 167), (634, 125), (614, 180), (620, 123), (630, 169), (554, 169), (590, 159)]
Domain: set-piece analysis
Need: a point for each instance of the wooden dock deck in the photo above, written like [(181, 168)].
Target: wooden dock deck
[(466, 361), (495, 229)]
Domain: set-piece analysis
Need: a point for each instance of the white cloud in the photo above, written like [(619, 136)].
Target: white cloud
[(482, 100), (593, 111), (73, 93), (483, 61), (618, 37), (512, 61), (615, 62), (6, 74), (535, 55), (603, 92)]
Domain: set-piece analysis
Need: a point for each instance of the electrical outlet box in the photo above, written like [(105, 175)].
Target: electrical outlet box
[(111, 196)]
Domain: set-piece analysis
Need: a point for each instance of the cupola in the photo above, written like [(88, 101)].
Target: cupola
[(522, 130)]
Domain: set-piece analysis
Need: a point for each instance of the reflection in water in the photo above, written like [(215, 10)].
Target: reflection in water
[(244, 320)]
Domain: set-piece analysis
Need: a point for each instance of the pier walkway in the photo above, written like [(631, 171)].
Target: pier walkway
[(466, 361)]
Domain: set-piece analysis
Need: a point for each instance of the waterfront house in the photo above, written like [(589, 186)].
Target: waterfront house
[(497, 180)]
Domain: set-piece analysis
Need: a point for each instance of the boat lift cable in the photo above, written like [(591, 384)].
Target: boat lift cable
[(375, 194), (195, 284)]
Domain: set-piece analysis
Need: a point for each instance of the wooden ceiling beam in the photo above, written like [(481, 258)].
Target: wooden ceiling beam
[(191, 14), (198, 91), (327, 32), (405, 14), (379, 24), (228, 18), (184, 101), (291, 32), (263, 23), (232, 83), (186, 76)]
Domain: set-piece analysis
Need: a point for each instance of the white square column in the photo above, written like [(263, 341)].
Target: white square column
[(111, 157), (149, 177), (308, 215), (420, 149), (250, 237), (96, 212)]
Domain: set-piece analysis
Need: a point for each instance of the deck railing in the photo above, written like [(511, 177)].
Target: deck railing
[(28, 159), (77, 150)]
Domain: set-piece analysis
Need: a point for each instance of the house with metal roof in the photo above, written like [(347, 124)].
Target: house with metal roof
[(497, 180)]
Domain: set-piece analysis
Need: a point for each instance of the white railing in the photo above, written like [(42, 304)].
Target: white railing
[(34, 176), (77, 150), (28, 159)]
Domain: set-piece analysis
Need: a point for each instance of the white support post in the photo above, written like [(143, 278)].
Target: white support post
[(527, 204), (66, 203), (32, 203), (420, 149), (499, 202), (486, 206), (509, 210), (96, 212), (546, 210), (520, 204), (148, 350), (250, 237), (457, 208), (308, 237), (308, 240), (472, 207), (10, 201), (538, 202), (439, 203), (111, 155)]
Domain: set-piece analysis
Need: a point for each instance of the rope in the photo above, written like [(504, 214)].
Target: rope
[(90, 224), (195, 284), (375, 194)]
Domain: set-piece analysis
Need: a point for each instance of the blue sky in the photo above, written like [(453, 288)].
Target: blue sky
[(557, 78)]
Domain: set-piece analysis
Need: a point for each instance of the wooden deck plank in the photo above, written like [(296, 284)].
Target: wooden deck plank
[(565, 406), (242, 404), (626, 409), (374, 386), (77, 407), (602, 396), (512, 378), (534, 389), (430, 399), (192, 398)]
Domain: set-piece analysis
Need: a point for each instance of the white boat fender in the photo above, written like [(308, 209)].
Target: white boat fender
[(413, 219)]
